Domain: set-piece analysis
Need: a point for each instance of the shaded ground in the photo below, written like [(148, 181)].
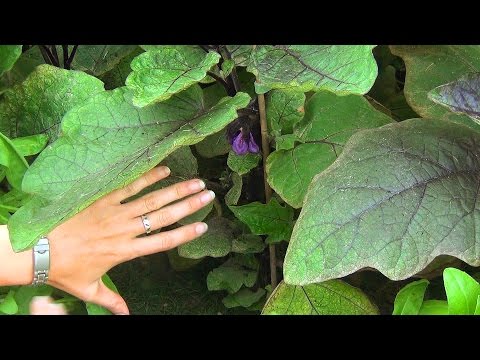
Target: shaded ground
[(151, 287)]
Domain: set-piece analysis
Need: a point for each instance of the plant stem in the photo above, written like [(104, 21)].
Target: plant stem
[(233, 75), (55, 54), (65, 55), (268, 189), (45, 55), (70, 58)]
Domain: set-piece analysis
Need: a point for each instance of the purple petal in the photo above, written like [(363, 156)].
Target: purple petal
[(239, 145), (252, 145), (232, 138)]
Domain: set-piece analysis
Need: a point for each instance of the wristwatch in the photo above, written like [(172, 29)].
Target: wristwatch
[(41, 261)]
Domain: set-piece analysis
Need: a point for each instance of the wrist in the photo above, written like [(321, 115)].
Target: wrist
[(15, 268)]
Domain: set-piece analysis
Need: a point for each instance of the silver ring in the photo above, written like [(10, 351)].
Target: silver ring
[(146, 224)]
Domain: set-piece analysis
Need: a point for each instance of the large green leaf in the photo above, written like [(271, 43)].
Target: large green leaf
[(284, 110), (8, 56), (409, 300), (329, 122), (38, 104), (216, 242), (477, 308), (334, 297), (340, 68), (396, 198), (98, 59), (434, 307), (434, 65), (460, 96), (270, 219), (159, 74), (13, 161), (462, 292), (107, 143)]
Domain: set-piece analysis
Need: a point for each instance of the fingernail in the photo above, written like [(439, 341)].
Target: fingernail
[(197, 185), (164, 170), (201, 228), (122, 314), (207, 197)]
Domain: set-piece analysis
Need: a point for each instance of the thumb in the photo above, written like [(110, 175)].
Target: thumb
[(110, 299)]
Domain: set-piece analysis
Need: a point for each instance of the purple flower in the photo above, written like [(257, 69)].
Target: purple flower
[(243, 142)]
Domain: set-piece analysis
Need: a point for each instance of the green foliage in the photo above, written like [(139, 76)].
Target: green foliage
[(367, 170), (370, 216)]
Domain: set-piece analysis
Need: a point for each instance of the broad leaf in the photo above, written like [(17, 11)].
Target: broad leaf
[(8, 305), (248, 244), (240, 54), (396, 198), (462, 292), (13, 161), (434, 65), (460, 96), (98, 59), (409, 300), (284, 110), (233, 195), (477, 308), (244, 298), (94, 309), (107, 143), (242, 164), (117, 76), (159, 74), (339, 68), (38, 104), (334, 297), (329, 122), (270, 219), (9, 54), (216, 242), (434, 307), (231, 276), (214, 145)]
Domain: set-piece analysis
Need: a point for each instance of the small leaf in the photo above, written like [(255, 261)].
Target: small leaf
[(214, 145), (25, 294), (396, 198), (339, 68), (248, 244), (334, 297), (240, 53), (233, 195), (285, 142), (159, 74), (242, 164), (216, 242), (232, 275), (266, 219), (244, 298), (30, 145), (116, 77), (8, 56), (8, 305), (284, 110), (14, 198), (462, 292), (179, 263), (410, 298), (38, 104), (94, 309), (14, 162), (460, 96), (434, 307)]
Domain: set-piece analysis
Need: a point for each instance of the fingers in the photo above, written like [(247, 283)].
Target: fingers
[(157, 199), (110, 300), (168, 239), (44, 305), (149, 178), (172, 213)]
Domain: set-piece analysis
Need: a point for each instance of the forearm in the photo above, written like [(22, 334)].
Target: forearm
[(15, 268)]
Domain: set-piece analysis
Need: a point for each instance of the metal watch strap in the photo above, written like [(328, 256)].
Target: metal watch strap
[(41, 261)]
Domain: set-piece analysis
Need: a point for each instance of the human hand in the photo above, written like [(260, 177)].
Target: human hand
[(104, 235)]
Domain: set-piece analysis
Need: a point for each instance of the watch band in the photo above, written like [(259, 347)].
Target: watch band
[(41, 261)]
